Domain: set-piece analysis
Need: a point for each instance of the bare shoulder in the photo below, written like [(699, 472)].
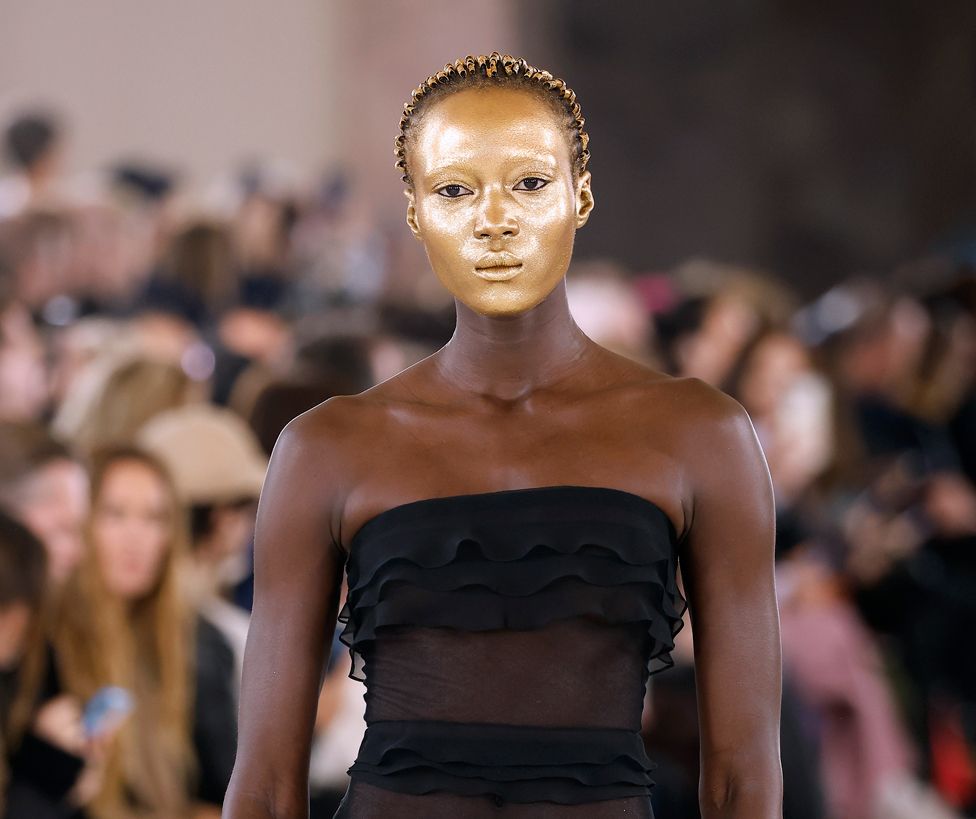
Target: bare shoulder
[(689, 402), (339, 430), (324, 427), (320, 457), (709, 427), (733, 504), (703, 404), (706, 436)]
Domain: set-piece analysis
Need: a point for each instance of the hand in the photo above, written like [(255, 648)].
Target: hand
[(59, 722), (92, 777)]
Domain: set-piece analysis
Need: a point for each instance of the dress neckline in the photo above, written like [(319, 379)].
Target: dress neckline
[(405, 509)]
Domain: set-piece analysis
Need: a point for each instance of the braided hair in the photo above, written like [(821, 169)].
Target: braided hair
[(494, 70)]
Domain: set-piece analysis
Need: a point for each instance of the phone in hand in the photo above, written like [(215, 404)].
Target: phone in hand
[(106, 710)]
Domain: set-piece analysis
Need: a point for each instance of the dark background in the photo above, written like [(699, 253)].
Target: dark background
[(815, 139)]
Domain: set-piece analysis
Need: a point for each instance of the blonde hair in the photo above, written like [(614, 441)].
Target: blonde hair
[(135, 391), (493, 69), (146, 649)]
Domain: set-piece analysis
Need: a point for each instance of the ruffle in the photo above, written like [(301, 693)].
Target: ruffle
[(514, 763), (517, 559)]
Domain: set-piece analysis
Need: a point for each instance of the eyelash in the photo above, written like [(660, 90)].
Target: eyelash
[(440, 191)]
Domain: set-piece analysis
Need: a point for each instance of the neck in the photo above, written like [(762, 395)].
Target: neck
[(508, 358)]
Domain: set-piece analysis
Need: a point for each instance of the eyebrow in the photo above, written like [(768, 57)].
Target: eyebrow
[(517, 159)]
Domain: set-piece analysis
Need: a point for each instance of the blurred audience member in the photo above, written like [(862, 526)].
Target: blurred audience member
[(124, 622), (24, 383), (37, 771), (52, 768), (325, 367), (134, 390), (605, 306), (197, 280), (727, 308), (219, 469), (40, 246), (33, 148), (45, 486)]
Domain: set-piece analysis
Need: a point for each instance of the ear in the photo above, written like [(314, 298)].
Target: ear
[(412, 214), (584, 199)]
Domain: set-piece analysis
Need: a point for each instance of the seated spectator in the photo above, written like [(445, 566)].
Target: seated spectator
[(123, 622), (133, 389), (219, 468), (46, 487), (46, 770)]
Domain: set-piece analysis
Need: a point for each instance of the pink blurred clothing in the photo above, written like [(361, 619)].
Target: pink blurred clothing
[(838, 670)]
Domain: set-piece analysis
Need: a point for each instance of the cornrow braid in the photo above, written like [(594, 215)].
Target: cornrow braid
[(484, 70)]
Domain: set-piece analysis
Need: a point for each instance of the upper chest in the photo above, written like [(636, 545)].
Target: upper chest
[(624, 440)]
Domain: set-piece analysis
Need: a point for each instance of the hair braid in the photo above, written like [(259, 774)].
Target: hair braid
[(485, 70)]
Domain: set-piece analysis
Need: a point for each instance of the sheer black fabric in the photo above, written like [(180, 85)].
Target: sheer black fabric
[(506, 639)]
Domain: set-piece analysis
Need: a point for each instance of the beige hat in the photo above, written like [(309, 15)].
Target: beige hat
[(213, 456)]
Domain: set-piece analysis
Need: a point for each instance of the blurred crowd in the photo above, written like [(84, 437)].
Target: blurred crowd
[(153, 344)]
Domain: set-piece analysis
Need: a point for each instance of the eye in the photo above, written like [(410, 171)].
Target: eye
[(531, 183), (453, 191)]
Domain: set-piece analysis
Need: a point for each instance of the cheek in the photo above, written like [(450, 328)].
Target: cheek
[(547, 240), (444, 230), (150, 549), (108, 533)]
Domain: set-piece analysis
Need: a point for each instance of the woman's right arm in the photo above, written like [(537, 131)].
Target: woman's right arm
[(297, 578)]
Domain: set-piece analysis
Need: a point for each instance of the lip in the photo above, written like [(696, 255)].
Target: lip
[(498, 267), (498, 274)]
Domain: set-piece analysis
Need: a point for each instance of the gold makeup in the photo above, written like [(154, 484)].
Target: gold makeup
[(494, 199)]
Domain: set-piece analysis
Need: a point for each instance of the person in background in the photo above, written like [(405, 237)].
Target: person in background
[(44, 485), (325, 366), (41, 250), (33, 149), (828, 650), (48, 768), (218, 466), (124, 622), (24, 387), (196, 279), (44, 488), (134, 388)]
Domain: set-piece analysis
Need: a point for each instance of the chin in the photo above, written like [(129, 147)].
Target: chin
[(501, 308)]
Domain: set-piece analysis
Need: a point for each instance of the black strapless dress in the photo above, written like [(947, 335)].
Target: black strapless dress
[(506, 639)]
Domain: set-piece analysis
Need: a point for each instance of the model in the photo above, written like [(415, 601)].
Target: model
[(510, 513)]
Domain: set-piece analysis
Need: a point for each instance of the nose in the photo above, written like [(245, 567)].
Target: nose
[(495, 217)]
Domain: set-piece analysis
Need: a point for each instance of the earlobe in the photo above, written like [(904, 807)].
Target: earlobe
[(412, 214), (584, 199)]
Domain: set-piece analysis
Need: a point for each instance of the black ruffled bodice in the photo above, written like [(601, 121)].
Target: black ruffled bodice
[(505, 639)]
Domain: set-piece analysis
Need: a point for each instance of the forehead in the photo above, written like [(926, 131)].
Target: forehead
[(488, 125)]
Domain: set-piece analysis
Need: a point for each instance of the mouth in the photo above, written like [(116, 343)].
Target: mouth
[(498, 267), (498, 274)]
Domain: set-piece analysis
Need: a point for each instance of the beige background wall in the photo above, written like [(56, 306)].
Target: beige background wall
[(201, 84)]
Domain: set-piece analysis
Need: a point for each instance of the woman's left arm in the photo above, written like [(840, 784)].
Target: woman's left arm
[(727, 564)]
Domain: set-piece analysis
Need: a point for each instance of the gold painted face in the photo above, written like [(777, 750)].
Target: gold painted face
[(494, 200)]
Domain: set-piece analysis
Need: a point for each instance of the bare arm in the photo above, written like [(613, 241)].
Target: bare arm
[(297, 579), (727, 567)]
